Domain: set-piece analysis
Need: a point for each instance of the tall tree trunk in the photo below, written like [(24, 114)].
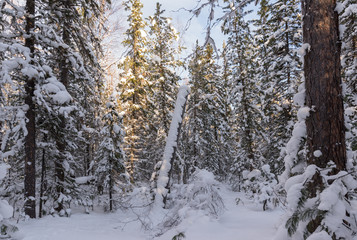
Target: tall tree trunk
[(325, 125), (30, 139), (60, 142)]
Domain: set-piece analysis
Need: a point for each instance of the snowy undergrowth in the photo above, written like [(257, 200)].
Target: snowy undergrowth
[(331, 207), (260, 187), (132, 220), (199, 197)]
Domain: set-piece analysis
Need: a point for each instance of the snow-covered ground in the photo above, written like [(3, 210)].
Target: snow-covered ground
[(242, 221)]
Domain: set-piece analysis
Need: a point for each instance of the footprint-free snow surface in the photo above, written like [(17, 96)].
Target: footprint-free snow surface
[(237, 222)]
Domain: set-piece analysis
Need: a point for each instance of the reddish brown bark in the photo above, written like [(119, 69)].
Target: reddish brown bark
[(325, 125), (322, 67)]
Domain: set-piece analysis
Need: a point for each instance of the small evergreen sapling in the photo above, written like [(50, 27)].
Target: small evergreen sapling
[(260, 185), (110, 171)]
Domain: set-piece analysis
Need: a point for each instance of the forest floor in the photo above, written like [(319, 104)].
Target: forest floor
[(243, 221)]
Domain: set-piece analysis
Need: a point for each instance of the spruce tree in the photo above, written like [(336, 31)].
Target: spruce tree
[(163, 63), (110, 169), (225, 118), (56, 56), (12, 108), (349, 71), (278, 37), (349, 46), (73, 58), (245, 92), (200, 129), (134, 88), (17, 64)]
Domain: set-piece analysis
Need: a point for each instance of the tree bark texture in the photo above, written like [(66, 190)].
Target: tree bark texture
[(30, 139), (322, 67)]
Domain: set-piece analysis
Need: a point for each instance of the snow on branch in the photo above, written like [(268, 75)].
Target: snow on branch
[(163, 179)]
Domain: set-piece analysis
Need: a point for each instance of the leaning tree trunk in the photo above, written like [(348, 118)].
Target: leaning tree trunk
[(30, 140), (165, 172), (325, 124)]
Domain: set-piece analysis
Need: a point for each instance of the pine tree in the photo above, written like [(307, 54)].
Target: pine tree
[(320, 192)]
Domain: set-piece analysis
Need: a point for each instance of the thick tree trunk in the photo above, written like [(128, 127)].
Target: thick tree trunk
[(30, 139), (325, 125)]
